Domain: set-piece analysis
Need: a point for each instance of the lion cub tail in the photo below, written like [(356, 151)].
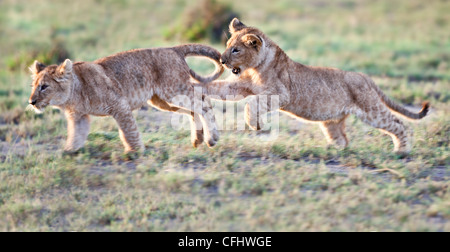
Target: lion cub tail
[(400, 109), (203, 51)]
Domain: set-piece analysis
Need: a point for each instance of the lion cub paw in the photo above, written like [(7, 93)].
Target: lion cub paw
[(212, 141), (197, 138)]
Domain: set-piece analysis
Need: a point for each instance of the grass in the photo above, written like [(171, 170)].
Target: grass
[(295, 183)]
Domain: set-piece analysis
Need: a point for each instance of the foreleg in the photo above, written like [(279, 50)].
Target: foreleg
[(77, 130)]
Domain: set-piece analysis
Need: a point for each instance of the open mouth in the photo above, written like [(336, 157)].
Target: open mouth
[(236, 70)]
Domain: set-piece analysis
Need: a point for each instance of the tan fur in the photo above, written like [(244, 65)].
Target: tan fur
[(323, 95), (117, 85)]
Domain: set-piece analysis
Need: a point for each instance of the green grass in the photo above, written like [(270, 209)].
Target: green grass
[(295, 183)]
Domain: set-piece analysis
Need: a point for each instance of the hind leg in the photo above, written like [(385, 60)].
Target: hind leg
[(370, 108), (334, 131), (399, 134), (195, 122), (380, 117)]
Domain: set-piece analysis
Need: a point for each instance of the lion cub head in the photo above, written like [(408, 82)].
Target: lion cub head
[(51, 85), (245, 49)]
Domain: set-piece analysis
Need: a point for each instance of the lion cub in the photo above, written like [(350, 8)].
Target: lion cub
[(117, 85), (323, 95)]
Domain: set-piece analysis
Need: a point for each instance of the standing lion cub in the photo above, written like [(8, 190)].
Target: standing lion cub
[(324, 95), (117, 85)]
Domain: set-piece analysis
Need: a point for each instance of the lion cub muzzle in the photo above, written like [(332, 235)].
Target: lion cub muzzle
[(234, 70)]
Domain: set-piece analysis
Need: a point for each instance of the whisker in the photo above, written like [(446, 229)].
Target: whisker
[(34, 109)]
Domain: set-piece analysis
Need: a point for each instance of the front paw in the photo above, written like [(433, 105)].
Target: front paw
[(197, 138), (211, 143), (212, 139)]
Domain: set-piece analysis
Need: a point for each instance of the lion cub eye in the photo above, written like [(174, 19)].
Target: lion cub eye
[(43, 87), (234, 50)]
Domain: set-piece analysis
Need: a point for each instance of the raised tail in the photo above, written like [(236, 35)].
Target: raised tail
[(204, 51), (400, 109)]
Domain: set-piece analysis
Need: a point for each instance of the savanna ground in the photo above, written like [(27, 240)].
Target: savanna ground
[(295, 183)]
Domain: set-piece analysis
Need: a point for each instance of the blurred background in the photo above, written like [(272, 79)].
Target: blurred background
[(295, 183), (392, 38)]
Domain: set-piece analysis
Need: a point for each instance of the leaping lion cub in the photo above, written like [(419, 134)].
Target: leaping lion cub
[(324, 95), (117, 85)]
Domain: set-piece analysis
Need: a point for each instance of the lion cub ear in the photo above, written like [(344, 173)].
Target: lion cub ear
[(236, 25), (251, 40), (36, 68), (64, 71)]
